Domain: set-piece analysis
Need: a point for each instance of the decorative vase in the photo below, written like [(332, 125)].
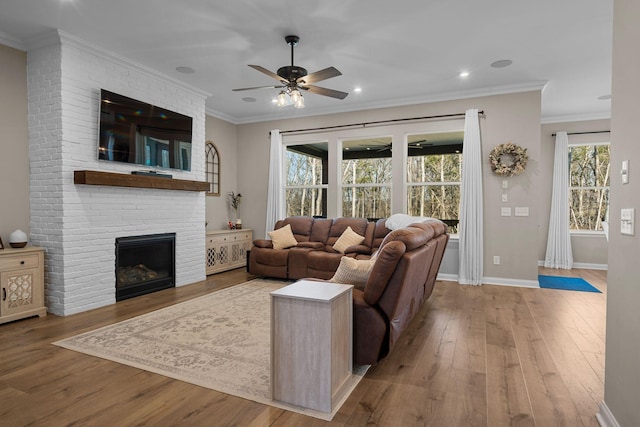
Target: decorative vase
[(18, 239)]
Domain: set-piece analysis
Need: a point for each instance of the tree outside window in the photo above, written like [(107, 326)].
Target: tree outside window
[(366, 178), (588, 186), (306, 175), (434, 170)]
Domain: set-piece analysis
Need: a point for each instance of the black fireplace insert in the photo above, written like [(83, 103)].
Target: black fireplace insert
[(144, 264)]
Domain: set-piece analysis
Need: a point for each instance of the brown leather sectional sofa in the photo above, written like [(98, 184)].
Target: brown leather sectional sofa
[(401, 279)]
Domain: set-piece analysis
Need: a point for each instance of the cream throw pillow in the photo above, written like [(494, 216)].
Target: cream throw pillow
[(353, 271), (282, 238), (348, 238)]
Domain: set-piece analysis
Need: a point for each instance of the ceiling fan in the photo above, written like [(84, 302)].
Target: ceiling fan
[(293, 79)]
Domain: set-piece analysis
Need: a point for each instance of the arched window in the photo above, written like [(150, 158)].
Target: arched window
[(212, 169)]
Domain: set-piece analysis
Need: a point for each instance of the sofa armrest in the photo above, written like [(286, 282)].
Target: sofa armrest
[(312, 245), (263, 243)]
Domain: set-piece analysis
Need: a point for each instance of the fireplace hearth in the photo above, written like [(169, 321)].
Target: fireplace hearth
[(144, 264)]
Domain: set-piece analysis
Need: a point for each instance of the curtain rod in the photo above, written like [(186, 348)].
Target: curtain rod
[(365, 124), (584, 133)]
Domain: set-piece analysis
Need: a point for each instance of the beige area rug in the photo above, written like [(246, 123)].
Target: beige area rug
[(220, 341)]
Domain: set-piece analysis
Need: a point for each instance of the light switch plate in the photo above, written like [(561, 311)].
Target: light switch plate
[(627, 220), (505, 197), (522, 211), (505, 184), (505, 211)]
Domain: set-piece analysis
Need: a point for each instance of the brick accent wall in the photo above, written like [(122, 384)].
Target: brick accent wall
[(78, 224)]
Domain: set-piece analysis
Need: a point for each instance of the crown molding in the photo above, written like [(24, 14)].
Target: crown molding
[(221, 116), (403, 102), (11, 41), (576, 117)]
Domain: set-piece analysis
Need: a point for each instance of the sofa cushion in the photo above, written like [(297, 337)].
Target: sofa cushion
[(385, 265), (300, 226), (283, 238), (348, 238), (353, 271)]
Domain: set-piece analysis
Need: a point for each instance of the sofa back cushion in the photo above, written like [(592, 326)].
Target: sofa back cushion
[(412, 237), (320, 230), (300, 226), (380, 231), (339, 225), (383, 268)]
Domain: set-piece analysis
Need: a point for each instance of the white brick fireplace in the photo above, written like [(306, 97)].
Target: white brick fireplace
[(78, 224)]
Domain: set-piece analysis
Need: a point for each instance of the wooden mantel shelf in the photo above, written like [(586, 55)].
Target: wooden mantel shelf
[(88, 177)]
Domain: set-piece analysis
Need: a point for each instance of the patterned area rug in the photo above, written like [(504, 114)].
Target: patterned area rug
[(220, 341)]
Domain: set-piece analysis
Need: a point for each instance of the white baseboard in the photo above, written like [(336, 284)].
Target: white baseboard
[(583, 265), (500, 281), (589, 266), (448, 277), (605, 417)]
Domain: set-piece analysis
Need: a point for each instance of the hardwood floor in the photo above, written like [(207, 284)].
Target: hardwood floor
[(474, 356)]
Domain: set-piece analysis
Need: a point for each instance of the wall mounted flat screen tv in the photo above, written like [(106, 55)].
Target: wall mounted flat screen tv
[(135, 132)]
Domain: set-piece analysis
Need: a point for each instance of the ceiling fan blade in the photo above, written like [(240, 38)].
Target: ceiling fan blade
[(267, 72), (324, 91), (257, 87), (325, 74)]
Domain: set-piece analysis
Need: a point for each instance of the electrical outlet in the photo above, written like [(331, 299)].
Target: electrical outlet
[(505, 184), (505, 212), (496, 259), (505, 197)]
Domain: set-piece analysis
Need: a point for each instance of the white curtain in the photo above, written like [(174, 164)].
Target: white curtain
[(559, 253), (470, 228), (275, 190)]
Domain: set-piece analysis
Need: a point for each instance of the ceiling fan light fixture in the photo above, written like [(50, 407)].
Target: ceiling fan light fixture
[(282, 99), (295, 95), (299, 102)]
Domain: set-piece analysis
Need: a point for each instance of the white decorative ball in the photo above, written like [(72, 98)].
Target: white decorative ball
[(18, 239)]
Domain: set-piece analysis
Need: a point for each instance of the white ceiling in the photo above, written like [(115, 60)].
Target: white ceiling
[(399, 52)]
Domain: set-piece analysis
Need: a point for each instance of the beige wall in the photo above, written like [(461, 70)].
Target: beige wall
[(14, 147), (513, 117), (587, 249), (224, 135), (622, 371)]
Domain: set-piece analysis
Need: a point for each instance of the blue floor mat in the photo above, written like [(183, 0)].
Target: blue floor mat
[(566, 283)]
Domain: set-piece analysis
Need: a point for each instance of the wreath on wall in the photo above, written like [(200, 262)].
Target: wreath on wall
[(508, 159)]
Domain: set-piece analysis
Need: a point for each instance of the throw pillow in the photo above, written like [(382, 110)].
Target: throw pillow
[(353, 271), (283, 238), (348, 238)]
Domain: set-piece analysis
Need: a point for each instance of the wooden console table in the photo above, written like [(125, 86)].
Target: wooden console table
[(311, 344), (227, 249), (22, 282)]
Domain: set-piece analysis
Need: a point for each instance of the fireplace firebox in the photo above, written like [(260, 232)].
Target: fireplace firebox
[(144, 264)]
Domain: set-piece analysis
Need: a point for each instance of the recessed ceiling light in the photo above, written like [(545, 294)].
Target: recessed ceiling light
[(185, 70), (463, 74), (501, 63), (357, 89), (249, 99), (604, 97)]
